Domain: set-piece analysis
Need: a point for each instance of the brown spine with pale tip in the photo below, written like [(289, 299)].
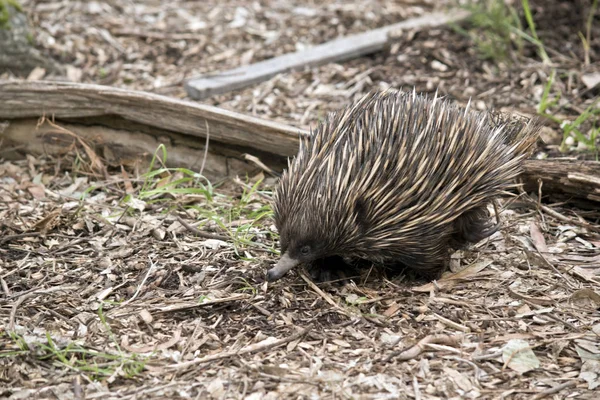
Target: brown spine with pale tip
[(396, 178)]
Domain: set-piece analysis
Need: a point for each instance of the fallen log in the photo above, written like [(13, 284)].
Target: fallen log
[(120, 142), (24, 99), (570, 178), (126, 126)]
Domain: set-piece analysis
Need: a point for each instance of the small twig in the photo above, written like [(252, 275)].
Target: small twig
[(564, 218), (96, 164), (452, 324), (205, 148), (77, 390), (289, 380), (490, 356), (184, 306), (5, 288), (253, 348), (478, 371), (553, 390), (61, 250), (19, 236), (21, 299), (256, 161), (540, 302), (441, 347), (198, 330), (418, 348), (552, 316), (416, 388), (548, 263), (321, 293), (262, 310), (497, 213), (157, 347), (199, 233), (141, 285), (159, 388), (378, 299)]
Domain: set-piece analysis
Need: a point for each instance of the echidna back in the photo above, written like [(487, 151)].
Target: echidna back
[(394, 176)]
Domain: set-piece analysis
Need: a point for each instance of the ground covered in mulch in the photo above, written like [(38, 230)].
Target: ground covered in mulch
[(116, 285)]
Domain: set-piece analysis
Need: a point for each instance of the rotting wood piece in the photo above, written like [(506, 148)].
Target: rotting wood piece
[(23, 99), (575, 178), (340, 49), (121, 144)]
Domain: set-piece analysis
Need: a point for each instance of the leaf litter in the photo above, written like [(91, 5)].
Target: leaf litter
[(114, 285), (90, 292)]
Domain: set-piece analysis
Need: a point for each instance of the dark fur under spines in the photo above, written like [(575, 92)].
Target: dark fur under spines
[(396, 178)]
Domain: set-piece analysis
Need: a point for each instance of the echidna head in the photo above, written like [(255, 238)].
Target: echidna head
[(300, 244), (312, 229)]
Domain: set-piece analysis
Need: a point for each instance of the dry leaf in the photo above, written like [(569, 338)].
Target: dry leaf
[(590, 367), (126, 181), (48, 223), (591, 80), (36, 74), (588, 274), (518, 356), (151, 347), (586, 294), (538, 238), (451, 279), (461, 380), (37, 191), (216, 388), (146, 316), (391, 310), (534, 300)]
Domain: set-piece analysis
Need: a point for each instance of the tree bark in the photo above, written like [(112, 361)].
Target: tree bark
[(18, 55), (569, 178)]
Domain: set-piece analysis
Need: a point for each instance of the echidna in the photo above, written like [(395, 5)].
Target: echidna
[(395, 179)]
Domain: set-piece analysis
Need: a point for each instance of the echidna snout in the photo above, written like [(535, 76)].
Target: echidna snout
[(285, 264), (295, 252)]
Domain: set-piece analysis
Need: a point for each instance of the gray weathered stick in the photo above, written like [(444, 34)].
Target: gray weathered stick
[(336, 50)]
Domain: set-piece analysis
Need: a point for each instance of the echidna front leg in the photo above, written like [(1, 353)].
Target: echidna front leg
[(473, 226), (330, 269)]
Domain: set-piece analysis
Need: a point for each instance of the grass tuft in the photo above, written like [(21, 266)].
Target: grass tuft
[(571, 130), (496, 29), (96, 365), (490, 28)]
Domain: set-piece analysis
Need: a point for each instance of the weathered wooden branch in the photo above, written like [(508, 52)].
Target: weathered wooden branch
[(126, 125), (23, 99), (579, 179), (340, 49)]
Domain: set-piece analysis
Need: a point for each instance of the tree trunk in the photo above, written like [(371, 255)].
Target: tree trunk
[(17, 53)]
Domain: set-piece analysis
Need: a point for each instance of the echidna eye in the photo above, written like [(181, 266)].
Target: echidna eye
[(305, 250)]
